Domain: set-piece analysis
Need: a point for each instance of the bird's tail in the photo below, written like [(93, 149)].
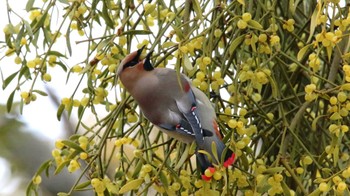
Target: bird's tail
[(204, 162)]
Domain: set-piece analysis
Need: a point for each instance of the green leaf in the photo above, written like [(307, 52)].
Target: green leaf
[(103, 44), (28, 28), (163, 179), (235, 43), (188, 65), (42, 93), (255, 24), (329, 50), (131, 185), (61, 166), (69, 47), (214, 151), (60, 111), (8, 40), (197, 9), (292, 7), (40, 23), (62, 194), (314, 122), (151, 9), (183, 158), (8, 80), (313, 23), (56, 53), (302, 52), (72, 145), (137, 32), (105, 15), (81, 186), (63, 66), (19, 37), (43, 166), (286, 190), (35, 39), (168, 44), (10, 101), (316, 192), (29, 5)]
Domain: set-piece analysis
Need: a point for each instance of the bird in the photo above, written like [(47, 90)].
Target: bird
[(170, 101)]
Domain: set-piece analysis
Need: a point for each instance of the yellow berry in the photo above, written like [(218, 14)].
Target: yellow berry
[(83, 155), (77, 68), (214, 85), (243, 112), (23, 41), (342, 97), (240, 145), (246, 17), (209, 172), (270, 116), (200, 75), (37, 180), (299, 170), (217, 175), (341, 186), (232, 123), (83, 140), (47, 77), (196, 82), (100, 56), (323, 187), (18, 60), (278, 177), (256, 97), (33, 97), (310, 88), (24, 95), (198, 183), (344, 128), (176, 186), (84, 101), (131, 118), (203, 86), (290, 21), (147, 168), (217, 32), (336, 179), (262, 37), (228, 111), (59, 144), (307, 160), (206, 60), (333, 100), (242, 24), (31, 64), (217, 75)]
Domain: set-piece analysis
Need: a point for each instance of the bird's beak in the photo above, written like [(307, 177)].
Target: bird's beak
[(148, 56), (147, 63), (139, 52)]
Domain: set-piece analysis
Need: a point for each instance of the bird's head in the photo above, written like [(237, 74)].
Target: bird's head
[(133, 63), (132, 68)]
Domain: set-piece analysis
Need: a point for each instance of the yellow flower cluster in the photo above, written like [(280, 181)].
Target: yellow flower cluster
[(63, 152)]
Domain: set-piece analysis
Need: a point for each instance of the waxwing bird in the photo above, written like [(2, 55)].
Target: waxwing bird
[(170, 102)]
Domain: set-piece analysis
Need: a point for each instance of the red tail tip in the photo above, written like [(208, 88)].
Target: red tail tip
[(230, 160), (205, 178)]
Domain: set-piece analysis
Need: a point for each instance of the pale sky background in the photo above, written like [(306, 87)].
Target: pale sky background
[(39, 115)]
